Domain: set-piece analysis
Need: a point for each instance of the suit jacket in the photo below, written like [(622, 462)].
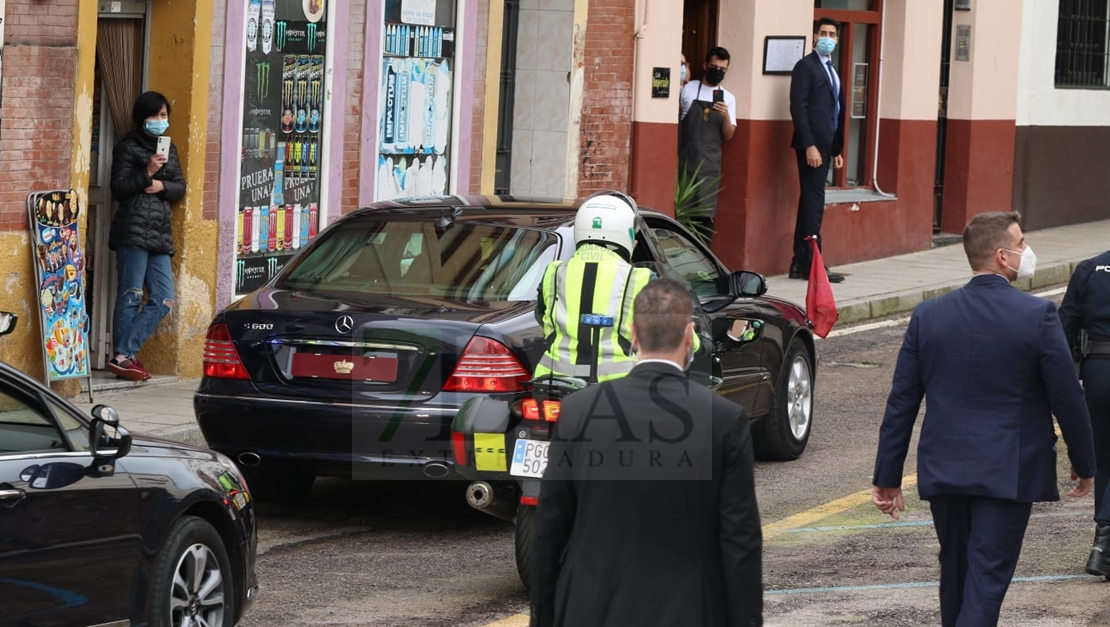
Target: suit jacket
[(993, 366), (813, 107), (630, 532)]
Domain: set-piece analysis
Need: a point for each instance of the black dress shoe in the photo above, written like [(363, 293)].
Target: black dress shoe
[(798, 274), (835, 277), (1099, 562)]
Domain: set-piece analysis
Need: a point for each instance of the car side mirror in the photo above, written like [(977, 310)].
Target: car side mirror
[(7, 322), (108, 441), (750, 284)]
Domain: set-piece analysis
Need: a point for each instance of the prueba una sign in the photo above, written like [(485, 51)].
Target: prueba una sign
[(422, 12)]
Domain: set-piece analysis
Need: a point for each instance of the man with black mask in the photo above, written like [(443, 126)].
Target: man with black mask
[(707, 120)]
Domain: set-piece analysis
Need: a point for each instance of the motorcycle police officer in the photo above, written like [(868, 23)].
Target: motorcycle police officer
[(1085, 314), (598, 279)]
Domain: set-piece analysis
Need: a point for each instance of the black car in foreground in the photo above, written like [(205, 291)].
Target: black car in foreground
[(355, 358), (102, 527)]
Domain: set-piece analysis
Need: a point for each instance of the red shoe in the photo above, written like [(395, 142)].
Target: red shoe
[(128, 369), (140, 365)]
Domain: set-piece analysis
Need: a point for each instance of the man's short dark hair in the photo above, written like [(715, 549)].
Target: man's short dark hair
[(660, 315), (825, 21), (986, 233), (718, 52)]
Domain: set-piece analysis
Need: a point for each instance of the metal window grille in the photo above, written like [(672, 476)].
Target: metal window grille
[(1082, 50)]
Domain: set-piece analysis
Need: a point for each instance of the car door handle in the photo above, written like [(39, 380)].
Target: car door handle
[(11, 495)]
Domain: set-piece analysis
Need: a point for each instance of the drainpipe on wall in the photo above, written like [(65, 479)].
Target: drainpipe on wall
[(878, 110), (639, 34)]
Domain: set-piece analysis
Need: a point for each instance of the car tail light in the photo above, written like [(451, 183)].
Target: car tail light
[(530, 500), (486, 366), (551, 410), (221, 360), (530, 409)]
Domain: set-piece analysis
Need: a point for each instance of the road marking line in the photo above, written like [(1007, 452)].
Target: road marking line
[(912, 584), (840, 505), (916, 523)]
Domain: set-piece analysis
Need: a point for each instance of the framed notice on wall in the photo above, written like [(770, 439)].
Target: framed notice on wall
[(60, 283), (782, 52)]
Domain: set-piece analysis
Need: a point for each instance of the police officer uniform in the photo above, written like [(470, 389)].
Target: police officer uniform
[(1085, 314)]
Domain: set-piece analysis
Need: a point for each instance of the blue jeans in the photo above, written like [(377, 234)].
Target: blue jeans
[(1096, 383), (133, 322)]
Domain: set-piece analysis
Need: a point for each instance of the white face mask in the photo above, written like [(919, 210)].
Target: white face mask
[(1028, 263)]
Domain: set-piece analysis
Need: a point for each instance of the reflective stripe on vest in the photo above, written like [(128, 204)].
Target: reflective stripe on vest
[(616, 285)]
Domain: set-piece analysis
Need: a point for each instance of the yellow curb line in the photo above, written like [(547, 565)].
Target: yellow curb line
[(773, 530)]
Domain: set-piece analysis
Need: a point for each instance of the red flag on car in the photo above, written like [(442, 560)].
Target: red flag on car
[(820, 304)]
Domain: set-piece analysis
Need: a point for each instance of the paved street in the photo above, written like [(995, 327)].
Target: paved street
[(413, 554)]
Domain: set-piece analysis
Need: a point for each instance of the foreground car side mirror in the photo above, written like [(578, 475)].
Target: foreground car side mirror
[(108, 441), (7, 322), (745, 283)]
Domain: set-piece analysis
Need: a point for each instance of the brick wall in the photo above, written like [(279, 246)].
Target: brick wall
[(215, 114), (352, 111), (607, 96), (478, 108), (36, 103)]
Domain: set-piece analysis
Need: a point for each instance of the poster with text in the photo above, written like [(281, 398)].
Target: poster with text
[(283, 143), (60, 281), (416, 102)]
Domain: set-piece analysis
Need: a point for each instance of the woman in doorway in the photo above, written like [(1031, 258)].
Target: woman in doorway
[(144, 183)]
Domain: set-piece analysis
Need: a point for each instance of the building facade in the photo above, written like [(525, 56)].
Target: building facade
[(289, 113)]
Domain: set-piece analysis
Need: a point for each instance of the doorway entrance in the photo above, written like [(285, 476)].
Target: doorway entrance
[(699, 33), (119, 78), (942, 115)]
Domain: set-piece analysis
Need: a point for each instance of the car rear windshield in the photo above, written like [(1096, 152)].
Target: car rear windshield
[(414, 258)]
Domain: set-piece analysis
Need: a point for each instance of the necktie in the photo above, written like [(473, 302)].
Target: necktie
[(835, 80)]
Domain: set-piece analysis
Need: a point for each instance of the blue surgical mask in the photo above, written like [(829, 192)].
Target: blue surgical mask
[(825, 46), (157, 126), (682, 73)]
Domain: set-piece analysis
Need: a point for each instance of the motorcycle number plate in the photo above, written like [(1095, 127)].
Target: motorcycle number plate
[(529, 458)]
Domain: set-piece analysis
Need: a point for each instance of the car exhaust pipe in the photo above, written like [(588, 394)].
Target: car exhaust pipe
[(436, 470), (496, 502), (250, 458)]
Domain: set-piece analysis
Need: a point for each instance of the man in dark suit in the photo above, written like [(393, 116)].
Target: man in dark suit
[(647, 514), (817, 109), (994, 367)]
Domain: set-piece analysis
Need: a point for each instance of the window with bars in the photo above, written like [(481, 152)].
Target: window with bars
[(1082, 40)]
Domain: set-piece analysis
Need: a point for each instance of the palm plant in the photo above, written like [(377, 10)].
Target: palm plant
[(687, 209)]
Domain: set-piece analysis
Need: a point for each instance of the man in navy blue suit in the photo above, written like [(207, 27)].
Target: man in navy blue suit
[(817, 109), (993, 365)]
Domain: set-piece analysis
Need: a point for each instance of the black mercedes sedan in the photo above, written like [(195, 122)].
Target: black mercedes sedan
[(102, 527), (355, 358)]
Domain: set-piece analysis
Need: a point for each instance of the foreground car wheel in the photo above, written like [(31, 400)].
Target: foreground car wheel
[(192, 584), (783, 434), (525, 534)]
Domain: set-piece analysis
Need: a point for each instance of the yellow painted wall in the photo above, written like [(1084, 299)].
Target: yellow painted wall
[(180, 58)]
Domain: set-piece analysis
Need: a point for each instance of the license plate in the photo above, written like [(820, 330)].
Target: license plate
[(380, 368), (529, 458)]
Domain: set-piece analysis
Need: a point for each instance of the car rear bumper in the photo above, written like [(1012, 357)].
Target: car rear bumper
[(359, 441)]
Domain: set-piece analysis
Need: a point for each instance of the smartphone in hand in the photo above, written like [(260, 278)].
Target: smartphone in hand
[(163, 146), (718, 95)]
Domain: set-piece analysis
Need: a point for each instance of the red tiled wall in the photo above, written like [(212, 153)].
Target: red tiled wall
[(607, 96), (36, 103), (477, 128), (215, 114), (352, 112)]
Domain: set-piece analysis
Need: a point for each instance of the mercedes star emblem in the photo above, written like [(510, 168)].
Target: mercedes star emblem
[(345, 324)]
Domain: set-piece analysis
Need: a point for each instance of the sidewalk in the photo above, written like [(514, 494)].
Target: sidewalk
[(873, 289)]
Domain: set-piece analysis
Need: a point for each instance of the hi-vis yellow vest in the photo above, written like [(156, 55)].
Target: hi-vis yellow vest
[(598, 281)]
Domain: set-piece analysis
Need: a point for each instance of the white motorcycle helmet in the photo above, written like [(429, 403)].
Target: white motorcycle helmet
[(607, 218)]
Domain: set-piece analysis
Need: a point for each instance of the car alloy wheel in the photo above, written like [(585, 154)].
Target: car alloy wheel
[(799, 393), (197, 596)]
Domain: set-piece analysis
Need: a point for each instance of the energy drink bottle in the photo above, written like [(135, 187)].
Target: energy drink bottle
[(256, 226), (300, 122), (313, 220), (293, 231), (288, 92), (248, 213), (280, 239), (264, 228), (253, 10), (267, 26), (239, 233), (271, 242)]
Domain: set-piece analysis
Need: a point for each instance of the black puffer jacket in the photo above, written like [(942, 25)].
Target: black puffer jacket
[(143, 220)]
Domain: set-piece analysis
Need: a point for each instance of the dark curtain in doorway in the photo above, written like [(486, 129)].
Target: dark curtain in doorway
[(119, 49)]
